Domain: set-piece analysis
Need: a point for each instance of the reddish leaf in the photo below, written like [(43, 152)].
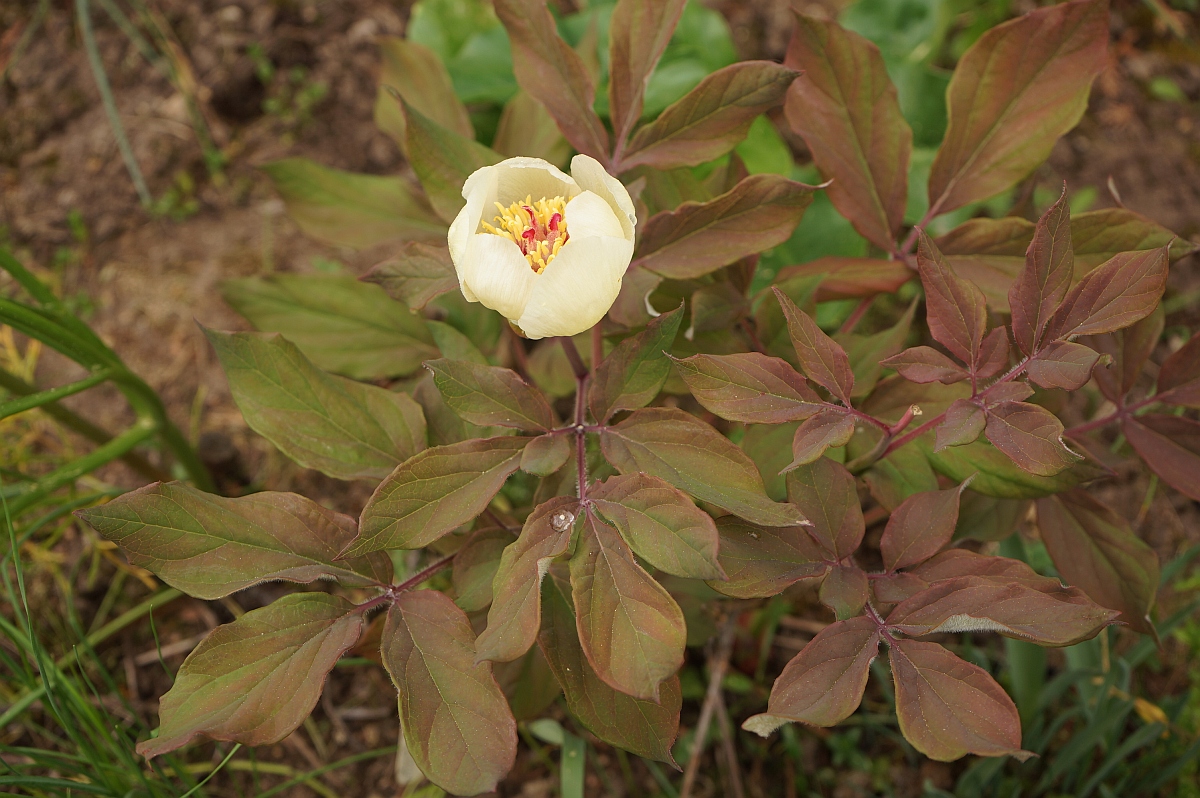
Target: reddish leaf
[(1013, 391), (1063, 364), (1042, 284), (748, 387), (545, 454), (955, 309), (827, 429), (643, 727), (1031, 436), (638, 34), (847, 110), (1101, 234), (1129, 349), (420, 273), (867, 352), (920, 527), (456, 722), (661, 524), (629, 626), (764, 561), (824, 683), (986, 518), (997, 475), (700, 237), (955, 563), (948, 707), (826, 492), (965, 421), (851, 278), (694, 457), (896, 587), (443, 160), (516, 612), (822, 359), (553, 74), (1096, 550), (1113, 295), (490, 396), (420, 77), (844, 590), (993, 354), (989, 604), (434, 492), (1015, 91), (990, 253), (633, 373), (1179, 378), (255, 680), (475, 567), (209, 546), (924, 364), (902, 473), (1170, 445), (711, 119)]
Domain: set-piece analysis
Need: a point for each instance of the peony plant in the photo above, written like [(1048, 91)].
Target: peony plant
[(554, 521)]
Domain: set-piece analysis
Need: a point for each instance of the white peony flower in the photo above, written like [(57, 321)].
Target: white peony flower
[(545, 249)]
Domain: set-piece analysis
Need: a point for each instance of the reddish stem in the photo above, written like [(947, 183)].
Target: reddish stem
[(1120, 414), (390, 594), (856, 316)]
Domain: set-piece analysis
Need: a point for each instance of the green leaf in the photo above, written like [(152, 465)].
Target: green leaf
[(344, 325), (1099, 236), (454, 345), (827, 495), (454, 718), (633, 373), (711, 119), (629, 626), (764, 561), (1095, 549), (948, 707), (420, 273), (515, 614), (417, 73), (700, 237), (844, 590), (826, 429), (349, 209), (867, 352), (694, 457), (847, 111), (645, 728), (998, 476), (554, 74), (545, 454), (660, 524), (824, 683), (748, 387), (209, 546), (475, 567), (443, 160), (899, 475), (526, 128), (990, 253), (435, 492), (342, 428), (1018, 88), (491, 396), (255, 680)]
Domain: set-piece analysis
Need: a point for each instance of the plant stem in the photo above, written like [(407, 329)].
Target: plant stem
[(717, 665), (577, 365), (1120, 413), (856, 316), (581, 380)]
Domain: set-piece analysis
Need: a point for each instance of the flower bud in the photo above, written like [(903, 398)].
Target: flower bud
[(544, 249)]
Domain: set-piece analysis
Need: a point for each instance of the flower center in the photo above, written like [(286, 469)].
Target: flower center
[(538, 228)]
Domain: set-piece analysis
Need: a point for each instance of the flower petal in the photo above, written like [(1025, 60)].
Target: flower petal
[(589, 215), (497, 274), (517, 178), (590, 176), (479, 186), (577, 288)]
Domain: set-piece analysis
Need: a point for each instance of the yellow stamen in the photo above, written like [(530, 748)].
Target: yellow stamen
[(538, 228)]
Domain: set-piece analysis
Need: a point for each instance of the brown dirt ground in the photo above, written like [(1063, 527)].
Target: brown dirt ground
[(147, 282)]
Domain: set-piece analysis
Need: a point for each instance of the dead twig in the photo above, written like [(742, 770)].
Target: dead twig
[(717, 665), (729, 746)]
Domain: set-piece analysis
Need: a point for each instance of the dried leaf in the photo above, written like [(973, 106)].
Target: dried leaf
[(256, 679), (846, 109), (209, 546), (1016, 90), (748, 387), (629, 626), (661, 524), (343, 428), (824, 683), (553, 74), (435, 492), (948, 707), (700, 237), (515, 614), (692, 456), (454, 718)]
